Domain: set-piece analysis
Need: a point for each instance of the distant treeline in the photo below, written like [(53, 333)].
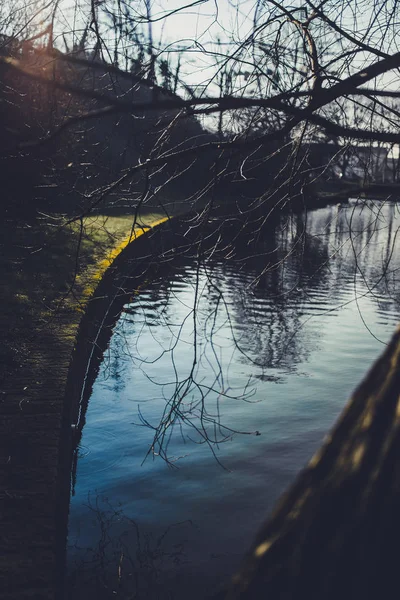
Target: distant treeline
[(64, 147), (45, 163)]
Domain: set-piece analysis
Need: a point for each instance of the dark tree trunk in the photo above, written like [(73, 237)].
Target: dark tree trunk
[(335, 534)]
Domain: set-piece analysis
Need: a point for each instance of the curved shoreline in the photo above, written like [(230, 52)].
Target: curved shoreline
[(343, 505), (34, 431)]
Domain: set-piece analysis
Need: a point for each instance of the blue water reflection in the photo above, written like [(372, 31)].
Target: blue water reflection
[(269, 345)]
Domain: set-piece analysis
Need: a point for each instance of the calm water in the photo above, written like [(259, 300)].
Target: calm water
[(219, 383)]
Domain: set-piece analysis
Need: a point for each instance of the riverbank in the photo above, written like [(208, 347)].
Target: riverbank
[(49, 270), (45, 292)]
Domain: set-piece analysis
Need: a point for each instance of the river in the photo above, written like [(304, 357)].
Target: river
[(219, 383)]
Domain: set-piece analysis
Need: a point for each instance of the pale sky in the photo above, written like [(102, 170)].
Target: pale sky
[(205, 32), (197, 26)]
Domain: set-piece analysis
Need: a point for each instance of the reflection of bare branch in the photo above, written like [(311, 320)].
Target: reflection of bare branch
[(125, 557)]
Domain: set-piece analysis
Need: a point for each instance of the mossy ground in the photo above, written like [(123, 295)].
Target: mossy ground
[(51, 264)]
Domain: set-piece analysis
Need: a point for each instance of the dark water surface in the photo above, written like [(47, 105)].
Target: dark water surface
[(270, 347)]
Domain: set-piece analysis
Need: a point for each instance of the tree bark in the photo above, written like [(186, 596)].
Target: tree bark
[(335, 533)]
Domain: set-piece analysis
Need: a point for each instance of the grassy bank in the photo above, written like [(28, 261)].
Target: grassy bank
[(49, 268), (50, 265)]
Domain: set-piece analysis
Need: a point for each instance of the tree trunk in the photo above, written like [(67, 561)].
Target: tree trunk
[(335, 533)]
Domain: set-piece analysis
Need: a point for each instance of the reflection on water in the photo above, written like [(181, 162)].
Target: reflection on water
[(232, 371)]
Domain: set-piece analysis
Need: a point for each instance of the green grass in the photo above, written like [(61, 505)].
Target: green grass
[(47, 266)]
